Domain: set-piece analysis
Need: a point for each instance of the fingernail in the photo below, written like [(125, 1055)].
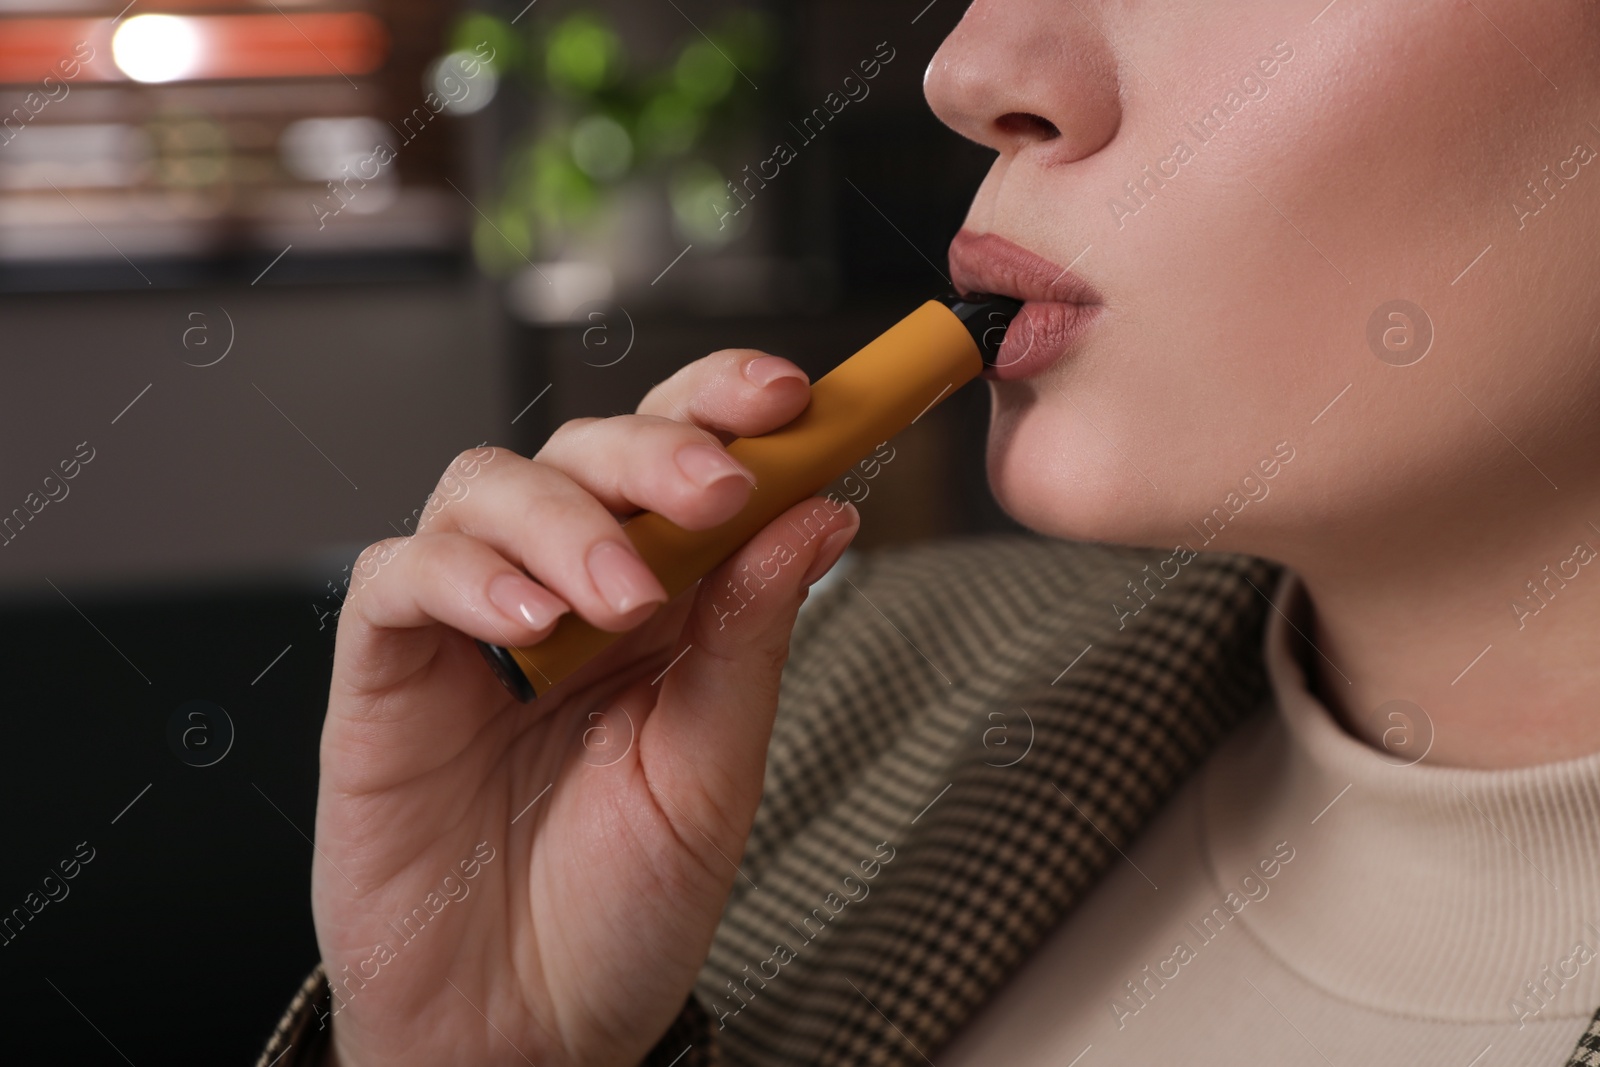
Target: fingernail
[(832, 548), (521, 601), (764, 370), (622, 578), (706, 466)]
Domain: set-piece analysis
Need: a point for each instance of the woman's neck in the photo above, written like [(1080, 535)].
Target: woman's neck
[(1497, 649)]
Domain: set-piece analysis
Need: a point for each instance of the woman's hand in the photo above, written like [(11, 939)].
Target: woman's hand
[(497, 882)]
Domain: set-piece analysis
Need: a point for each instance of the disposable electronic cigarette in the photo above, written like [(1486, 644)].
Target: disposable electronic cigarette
[(861, 403)]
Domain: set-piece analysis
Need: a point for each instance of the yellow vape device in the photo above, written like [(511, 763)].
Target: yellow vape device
[(867, 399)]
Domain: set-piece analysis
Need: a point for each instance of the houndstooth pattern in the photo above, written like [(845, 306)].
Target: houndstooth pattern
[(1588, 1051), (914, 686), (888, 731), (295, 1032)]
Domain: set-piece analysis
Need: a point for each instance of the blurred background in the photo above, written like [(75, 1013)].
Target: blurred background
[(265, 268)]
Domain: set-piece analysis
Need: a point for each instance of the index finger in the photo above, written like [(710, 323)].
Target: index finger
[(735, 392)]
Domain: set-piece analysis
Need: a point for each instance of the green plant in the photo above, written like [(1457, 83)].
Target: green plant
[(602, 117)]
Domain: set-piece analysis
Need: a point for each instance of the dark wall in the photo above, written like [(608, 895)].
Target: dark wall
[(331, 417)]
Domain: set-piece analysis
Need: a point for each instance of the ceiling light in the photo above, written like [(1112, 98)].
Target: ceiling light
[(156, 48)]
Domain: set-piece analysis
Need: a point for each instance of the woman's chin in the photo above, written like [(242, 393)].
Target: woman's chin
[(1054, 482)]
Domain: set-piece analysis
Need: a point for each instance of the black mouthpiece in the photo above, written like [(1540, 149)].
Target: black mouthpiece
[(986, 317)]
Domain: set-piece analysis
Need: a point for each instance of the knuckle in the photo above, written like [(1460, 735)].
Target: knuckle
[(767, 653), (455, 483), (565, 520), (677, 391), (772, 655), (472, 460), (380, 551), (373, 559), (567, 431)]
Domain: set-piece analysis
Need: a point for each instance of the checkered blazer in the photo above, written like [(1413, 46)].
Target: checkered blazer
[(968, 732)]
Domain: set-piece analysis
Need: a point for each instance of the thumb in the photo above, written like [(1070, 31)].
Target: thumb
[(716, 704)]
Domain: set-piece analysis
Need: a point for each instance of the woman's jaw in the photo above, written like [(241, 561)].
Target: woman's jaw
[(1317, 237)]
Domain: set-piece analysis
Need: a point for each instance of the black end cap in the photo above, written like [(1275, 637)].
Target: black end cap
[(506, 669)]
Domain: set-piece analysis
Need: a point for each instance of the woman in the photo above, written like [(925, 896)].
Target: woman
[(1312, 282)]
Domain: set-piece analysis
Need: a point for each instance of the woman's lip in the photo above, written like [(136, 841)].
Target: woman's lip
[(1042, 332), (1058, 305), (989, 263)]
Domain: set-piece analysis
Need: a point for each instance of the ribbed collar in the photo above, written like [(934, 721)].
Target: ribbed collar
[(1434, 892)]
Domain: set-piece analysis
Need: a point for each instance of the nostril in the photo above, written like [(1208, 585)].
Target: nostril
[(1026, 124)]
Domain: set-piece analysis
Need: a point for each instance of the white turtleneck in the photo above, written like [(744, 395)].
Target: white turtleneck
[(1309, 898)]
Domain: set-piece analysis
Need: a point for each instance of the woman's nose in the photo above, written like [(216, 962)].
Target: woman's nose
[(1019, 75)]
